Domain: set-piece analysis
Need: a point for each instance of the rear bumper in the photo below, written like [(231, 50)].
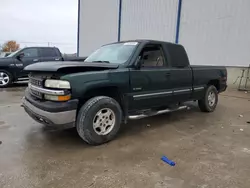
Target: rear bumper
[(51, 113), (223, 88)]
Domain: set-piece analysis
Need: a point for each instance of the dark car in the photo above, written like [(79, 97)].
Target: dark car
[(12, 66), (4, 54), (119, 81)]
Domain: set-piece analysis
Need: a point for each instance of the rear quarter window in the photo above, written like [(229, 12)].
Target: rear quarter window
[(178, 55), (48, 52)]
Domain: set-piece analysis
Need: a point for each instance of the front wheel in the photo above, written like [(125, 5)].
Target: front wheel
[(210, 99), (5, 78), (99, 120)]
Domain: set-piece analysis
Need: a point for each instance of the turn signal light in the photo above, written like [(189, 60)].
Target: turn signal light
[(57, 98), (64, 98)]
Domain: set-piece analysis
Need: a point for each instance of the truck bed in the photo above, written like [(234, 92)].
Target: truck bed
[(201, 74)]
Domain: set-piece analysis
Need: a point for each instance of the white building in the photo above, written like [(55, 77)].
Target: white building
[(214, 32)]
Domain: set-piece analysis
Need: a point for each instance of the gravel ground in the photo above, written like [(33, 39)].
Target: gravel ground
[(210, 150)]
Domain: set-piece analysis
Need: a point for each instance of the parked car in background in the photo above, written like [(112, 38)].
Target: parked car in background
[(4, 54), (12, 66), (119, 81)]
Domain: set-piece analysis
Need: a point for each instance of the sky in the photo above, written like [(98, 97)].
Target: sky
[(40, 23)]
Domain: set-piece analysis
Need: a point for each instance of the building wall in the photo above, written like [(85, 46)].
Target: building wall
[(235, 75), (216, 32), (98, 24), (149, 19)]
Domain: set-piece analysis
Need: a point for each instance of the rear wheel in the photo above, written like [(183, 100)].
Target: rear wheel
[(99, 120), (5, 78), (210, 99)]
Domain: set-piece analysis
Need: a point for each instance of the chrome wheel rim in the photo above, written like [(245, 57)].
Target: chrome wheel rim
[(104, 121), (4, 79), (211, 98)]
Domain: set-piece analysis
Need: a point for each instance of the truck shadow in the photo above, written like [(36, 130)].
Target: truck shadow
[(15, 87), (184, 120), (19, 84), (70, 137), (66, 137)]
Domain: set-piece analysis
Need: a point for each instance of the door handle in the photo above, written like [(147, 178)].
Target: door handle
[(35, 60), (57, 59), (167, 74)]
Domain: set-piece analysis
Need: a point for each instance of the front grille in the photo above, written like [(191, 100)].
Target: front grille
[(36, 81), (36, 84)]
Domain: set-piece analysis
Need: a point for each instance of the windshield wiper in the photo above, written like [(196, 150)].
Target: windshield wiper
[(101, 61)]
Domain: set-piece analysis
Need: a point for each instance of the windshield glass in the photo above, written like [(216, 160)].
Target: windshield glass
[(14, 53), (113, 53)]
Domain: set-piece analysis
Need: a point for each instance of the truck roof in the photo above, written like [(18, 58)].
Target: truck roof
[(147, 40), (40, 47), (177, 52)]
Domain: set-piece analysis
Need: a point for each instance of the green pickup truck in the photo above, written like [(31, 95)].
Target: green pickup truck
[(119, 81)]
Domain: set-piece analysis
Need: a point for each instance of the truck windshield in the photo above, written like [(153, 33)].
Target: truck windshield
[(14, 53), (113, 53)]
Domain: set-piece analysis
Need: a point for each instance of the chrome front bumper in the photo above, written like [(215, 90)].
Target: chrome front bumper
[(46, 91), (62, 118)]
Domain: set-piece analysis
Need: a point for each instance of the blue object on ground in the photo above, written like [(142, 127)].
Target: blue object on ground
[(168, 161)]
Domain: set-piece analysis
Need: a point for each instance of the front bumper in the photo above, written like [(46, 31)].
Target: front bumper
[(50, 113)]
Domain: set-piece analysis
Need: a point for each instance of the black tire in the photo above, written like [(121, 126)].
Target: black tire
[(86, 115), (204, 104), (10, 78)]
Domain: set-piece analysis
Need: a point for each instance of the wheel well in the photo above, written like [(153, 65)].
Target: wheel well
[(7, 70), (110, 91), (215, 83)]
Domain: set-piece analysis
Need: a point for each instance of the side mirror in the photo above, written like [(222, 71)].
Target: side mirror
[(145, 57), (139, 63), (20, 56)]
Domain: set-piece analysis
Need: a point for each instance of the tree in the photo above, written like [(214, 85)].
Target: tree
[(10, 46)]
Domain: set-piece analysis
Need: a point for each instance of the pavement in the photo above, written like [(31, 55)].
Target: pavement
[(210, 150)]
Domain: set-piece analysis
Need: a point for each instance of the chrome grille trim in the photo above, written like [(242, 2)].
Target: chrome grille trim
[(46, 91), (36, 81)]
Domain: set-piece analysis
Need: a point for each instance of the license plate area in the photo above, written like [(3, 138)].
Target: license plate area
[(36, 94)]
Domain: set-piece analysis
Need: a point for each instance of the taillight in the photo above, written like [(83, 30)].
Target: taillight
[(224, 78), (223, 75)]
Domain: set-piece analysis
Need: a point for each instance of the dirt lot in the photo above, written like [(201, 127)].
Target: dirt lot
[(210, 150)]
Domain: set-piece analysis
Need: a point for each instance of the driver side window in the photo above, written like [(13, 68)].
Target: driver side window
[(31, 52), (152, 56)]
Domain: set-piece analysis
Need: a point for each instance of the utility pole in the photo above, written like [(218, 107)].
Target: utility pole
[(48, 44)]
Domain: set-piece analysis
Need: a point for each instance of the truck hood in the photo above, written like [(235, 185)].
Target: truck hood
[(5, 60), (69, 66)]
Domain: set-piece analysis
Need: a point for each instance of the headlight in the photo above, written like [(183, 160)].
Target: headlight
[(62, 84)]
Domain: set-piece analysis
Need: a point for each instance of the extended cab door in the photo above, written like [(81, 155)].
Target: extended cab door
[(24, 58), (181, 75), (50, 54), (150, 86)]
